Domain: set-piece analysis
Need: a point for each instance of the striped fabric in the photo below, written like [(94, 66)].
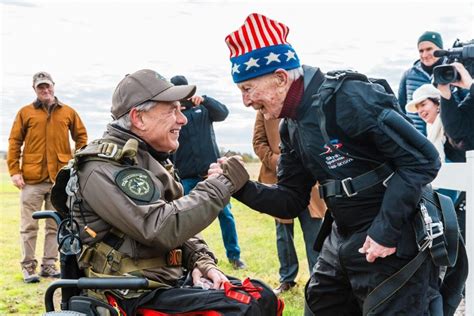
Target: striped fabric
[(259, 47)]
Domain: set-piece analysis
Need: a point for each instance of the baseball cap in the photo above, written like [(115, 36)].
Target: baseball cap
[(424, 92), (42, 77), (146, 85)]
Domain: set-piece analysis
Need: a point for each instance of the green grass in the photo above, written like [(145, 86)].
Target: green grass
[(256, 234)]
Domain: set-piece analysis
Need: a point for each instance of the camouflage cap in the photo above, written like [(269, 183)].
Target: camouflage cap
[(146, 85), (42, 77)]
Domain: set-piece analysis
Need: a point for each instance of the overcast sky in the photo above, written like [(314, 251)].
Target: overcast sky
[(88, 46)]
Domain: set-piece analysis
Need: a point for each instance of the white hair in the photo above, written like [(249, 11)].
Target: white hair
[(294, 74), (124, 120)]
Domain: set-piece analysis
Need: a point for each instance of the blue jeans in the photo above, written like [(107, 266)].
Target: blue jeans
[(286, 247), (226, 221)]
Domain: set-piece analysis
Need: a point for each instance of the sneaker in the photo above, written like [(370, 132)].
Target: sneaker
[(284, 287), (237, 264), (49, 271), (29, 273)]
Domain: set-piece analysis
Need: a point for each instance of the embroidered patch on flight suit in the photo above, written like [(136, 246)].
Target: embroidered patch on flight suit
[(136, 184)]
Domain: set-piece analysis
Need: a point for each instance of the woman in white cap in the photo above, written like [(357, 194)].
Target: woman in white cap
[(426, 101)]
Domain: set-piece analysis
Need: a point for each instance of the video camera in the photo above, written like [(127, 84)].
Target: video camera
[(461, 52)]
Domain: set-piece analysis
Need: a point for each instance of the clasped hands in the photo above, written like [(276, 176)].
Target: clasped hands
[(215, 168)]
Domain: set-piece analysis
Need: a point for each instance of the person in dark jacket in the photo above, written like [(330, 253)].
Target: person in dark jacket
[(197, 150), (458, 118), (420, 73), (371, 236)]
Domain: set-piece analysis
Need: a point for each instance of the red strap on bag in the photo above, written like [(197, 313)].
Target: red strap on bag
[(236, 292), (252, 289), (149, 312), (281, 306), (113, 302)]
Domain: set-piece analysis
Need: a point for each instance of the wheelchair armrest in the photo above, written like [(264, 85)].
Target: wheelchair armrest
[(48, 214), (132, 283)]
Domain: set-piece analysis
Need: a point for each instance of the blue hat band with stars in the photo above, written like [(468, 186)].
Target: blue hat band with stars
[(263, 61)]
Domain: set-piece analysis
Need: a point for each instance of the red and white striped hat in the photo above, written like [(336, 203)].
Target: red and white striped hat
[(259, 47)]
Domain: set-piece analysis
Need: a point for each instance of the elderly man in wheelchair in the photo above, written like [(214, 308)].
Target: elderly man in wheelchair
[(128, 237)]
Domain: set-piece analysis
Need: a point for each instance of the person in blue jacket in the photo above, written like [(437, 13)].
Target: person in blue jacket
[(420, 73), (197, 150), (371, 236)]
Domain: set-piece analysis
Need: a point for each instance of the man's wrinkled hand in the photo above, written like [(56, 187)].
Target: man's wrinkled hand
[(374, 250), (217, 277), (214, 170), (18, 181)]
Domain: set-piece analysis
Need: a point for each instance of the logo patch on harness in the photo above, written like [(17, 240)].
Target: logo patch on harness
[(136, 184)]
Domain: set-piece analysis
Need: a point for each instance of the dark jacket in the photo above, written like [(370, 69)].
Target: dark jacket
[(197, 142), (458, 120), (411, 80), (356, 124)]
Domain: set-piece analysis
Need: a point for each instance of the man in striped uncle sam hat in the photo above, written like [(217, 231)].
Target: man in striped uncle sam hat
[(371, 237)]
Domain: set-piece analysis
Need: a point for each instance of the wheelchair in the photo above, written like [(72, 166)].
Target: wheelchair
[(249, 297), (73, 281)]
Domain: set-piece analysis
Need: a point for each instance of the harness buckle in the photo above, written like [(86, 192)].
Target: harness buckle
[(345, 187), (385, 182), (433, 229), (109, 153)]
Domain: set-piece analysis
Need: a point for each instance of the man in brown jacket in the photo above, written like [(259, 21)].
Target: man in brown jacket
[(266, 141), (42, 128)]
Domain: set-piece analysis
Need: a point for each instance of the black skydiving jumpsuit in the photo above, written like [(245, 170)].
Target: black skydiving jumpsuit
[(361, 123)]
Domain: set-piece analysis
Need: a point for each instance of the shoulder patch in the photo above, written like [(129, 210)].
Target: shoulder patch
[(136, 184)]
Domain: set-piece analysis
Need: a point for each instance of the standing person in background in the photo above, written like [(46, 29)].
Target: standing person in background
[(42, 128), (458, 116), (266, 140), (197, 150), (420, 73)]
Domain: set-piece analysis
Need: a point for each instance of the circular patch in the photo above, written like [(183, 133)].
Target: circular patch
[(136, 184)]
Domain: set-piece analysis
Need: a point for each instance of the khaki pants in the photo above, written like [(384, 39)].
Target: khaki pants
[(32, 197)]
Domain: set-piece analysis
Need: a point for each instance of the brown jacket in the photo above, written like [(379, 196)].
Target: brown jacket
[(153, 227), (45, 137), (266, 142)]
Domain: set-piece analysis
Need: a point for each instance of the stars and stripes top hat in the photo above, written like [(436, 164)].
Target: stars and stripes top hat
[(259, 47)]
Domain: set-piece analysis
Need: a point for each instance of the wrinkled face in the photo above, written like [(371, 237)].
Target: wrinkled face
[(427, 110), (264, 94), (45, 93), (161, 126), (426, 50)]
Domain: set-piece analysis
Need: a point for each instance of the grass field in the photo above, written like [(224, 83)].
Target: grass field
[(256, 238)]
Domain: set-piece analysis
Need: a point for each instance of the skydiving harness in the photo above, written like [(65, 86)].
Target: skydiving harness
[(102, 257), (435, 223)]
